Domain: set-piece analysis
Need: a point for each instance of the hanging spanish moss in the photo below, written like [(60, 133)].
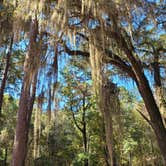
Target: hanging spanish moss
[(96, 66), (106, 92), (37, 126)]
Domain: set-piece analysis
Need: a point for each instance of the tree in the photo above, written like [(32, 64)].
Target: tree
[(130, 37), (27, 98), (5, 74), (77, 94), (118, 45), (10, 106), (138, 144), (6, 24)]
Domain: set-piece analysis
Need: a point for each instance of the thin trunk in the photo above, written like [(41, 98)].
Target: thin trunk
[(84, 138), (82, 129), (39, 129), (130, 159), (84, 133), (35, 134), (26, 100), (6, 155), (5, 74), (106, 156), (49, 104)]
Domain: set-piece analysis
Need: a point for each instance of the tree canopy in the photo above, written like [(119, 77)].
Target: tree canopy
[(59, 103)]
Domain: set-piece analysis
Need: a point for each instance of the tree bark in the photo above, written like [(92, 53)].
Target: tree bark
[(26, 101), (5, 74), (159, 90), (161, 101), (154, 113), (108, 97), (150, 103), (22, 127), (145, 91)]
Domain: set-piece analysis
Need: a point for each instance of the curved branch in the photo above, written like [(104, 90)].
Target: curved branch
[(109, 58), (75, 121), (147, 120)]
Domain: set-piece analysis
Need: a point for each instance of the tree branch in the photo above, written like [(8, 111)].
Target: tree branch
[(109, 58), (75, 121), (147, 120)]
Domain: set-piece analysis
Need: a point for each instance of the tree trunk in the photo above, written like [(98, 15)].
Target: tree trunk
[(106, 156), (84, 132), (49, 104), (107, 105), (130, 159), (154, 113), (6, 155), (22, 127), (37, 131), (35, 135), (109, 135), (159, 90), (161, 101), (147, 95), (5, 74), (82, 129), (26, 100)]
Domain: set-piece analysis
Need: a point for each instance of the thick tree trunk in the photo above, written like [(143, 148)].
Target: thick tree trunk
[(26, 101), (5, 74), (22, 127), (154, 113), (147, 95), (161, 101), (151, 105), (159, 90)]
